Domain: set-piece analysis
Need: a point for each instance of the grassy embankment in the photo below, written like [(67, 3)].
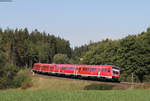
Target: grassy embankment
[(58, 83), (55, 89), (47, 95)]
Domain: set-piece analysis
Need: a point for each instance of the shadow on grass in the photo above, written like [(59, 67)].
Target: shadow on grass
[(99, 87)]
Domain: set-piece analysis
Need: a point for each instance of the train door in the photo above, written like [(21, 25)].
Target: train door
[(51, 68), (77, 71), (99, 73), (109, 72)]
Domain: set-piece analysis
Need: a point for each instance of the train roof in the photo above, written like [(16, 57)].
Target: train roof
[(79, 65), (75, 65)]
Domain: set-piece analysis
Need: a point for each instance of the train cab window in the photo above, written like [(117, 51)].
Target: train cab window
[(115, 72), (108, 70), (36, 65)]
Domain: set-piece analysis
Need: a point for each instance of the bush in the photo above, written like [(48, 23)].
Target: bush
[(26, 85), (22, 80), (99, 87), (145, 85), (7, 74)]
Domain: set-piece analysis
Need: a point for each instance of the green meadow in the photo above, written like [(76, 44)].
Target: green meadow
[(47, 95)]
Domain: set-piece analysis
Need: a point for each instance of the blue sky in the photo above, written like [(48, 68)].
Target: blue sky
[(78, 21)]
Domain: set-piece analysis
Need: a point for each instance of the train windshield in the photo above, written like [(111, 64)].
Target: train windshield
[(36, 65), (115, 70)]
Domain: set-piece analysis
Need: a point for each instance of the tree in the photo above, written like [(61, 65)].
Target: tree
[(131, 54), (7, 74), (60, 59), (103, 53)]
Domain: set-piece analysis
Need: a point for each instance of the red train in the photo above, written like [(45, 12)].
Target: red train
[(109, 72)]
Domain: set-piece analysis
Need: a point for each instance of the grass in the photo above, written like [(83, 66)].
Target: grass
[(47, 95), (57, 84), (52, 83), (55, 89)]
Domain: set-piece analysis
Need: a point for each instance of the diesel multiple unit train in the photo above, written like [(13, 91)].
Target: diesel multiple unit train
[(107, 72)]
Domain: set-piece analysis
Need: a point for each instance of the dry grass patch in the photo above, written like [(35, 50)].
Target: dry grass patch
[(57, 84)]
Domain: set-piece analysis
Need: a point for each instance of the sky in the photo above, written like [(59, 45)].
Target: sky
[(79, 21)]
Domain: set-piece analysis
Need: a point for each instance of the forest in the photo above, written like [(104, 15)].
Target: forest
[(20, 48)]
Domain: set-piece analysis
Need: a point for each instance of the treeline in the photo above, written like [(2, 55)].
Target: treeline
[(131, 54), (20, 48)]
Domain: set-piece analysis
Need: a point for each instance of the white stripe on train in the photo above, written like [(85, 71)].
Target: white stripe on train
[(83, 75)]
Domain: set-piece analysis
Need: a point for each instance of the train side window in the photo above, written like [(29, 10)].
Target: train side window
[(89, 69), (51, 67), (85, 69), (44, 66), (104, 70), (63, 68), (57, 67), (92, 69), (70, 68)]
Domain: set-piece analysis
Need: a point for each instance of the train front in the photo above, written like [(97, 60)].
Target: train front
[(116, 73)]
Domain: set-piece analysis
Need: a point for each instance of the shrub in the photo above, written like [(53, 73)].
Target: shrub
[(22, 80), (7, 74), (145, 85), (26, 85), (99, 87)]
